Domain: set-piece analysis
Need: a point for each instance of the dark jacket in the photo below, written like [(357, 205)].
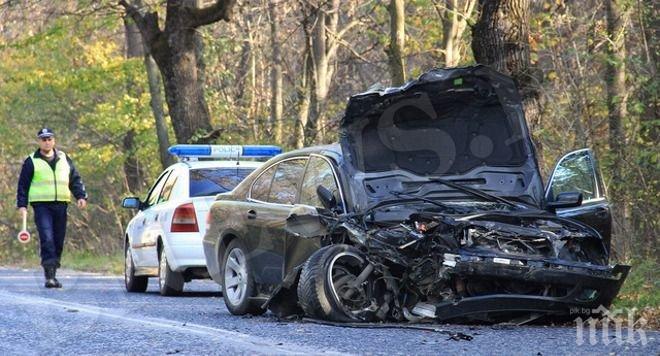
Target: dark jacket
[(27, 171)]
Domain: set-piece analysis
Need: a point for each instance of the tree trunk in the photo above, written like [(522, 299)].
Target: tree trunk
[(199, 55), (135, 48), (176, 55), (648, 12), (454, 22), (156, 104), (323, 38), (305, 95), (247, 72), (616, 105), (276, 100), (500, 39), (397, 42), (242, 72), (320, 76), (252, 108), (183, 91), (132, 170)]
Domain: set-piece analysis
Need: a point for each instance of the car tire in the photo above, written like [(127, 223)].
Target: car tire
[(317, 294), (170, 283), (133, 283), (238, 286)]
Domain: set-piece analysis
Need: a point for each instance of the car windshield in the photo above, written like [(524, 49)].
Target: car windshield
[(437, 204), (212, 181), (471, 191)]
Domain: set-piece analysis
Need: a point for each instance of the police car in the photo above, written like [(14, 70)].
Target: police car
[(164, 238)]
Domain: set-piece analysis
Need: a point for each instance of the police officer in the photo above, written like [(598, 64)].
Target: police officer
[(46, 178)]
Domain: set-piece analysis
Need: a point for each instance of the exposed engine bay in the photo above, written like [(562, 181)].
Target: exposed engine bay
[(485, 266)]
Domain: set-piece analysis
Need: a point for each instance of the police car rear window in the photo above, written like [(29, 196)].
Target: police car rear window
[(212, 181)]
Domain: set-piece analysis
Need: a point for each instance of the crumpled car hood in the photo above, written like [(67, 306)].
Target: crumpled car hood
[(463, 124)]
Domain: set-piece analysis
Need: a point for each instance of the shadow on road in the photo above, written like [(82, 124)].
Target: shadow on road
[(191, 294)]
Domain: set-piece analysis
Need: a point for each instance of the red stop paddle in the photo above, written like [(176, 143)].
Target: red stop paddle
[(24, 235)]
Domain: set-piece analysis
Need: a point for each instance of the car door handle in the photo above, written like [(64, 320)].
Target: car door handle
[(251, 214)]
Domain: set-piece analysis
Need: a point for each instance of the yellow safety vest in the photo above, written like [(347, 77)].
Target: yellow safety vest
[(48, 184)]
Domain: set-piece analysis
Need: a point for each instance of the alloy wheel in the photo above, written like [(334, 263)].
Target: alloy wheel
[(236, 276)]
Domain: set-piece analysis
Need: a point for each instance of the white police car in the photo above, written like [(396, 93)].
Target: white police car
[(164, 238)]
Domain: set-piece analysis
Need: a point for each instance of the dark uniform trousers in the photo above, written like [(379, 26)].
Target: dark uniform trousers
[(50, 218)]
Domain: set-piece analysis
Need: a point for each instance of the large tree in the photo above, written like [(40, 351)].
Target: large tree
[(500, 39), (135, 48), (132, 169), (175, 50), (617, 110), (397, 41)]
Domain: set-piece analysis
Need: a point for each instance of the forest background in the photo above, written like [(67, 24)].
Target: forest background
[(119, 81)]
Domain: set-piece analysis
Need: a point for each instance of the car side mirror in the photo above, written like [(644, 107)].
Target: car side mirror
[(327, 198), (131, 203), (566, 200)]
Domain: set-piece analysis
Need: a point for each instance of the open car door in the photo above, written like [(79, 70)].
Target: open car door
[(578, 172)]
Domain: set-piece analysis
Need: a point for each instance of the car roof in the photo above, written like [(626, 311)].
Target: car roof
[(217, 164), (331, 150)]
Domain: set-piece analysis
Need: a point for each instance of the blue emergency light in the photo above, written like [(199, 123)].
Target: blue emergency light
[(224, 151)]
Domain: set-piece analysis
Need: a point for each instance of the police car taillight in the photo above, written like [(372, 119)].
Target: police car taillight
[(184, 219)]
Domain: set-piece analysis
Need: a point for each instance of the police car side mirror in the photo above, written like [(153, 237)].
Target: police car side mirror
[(131, 203)]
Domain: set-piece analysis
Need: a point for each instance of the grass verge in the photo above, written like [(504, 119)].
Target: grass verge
[(641, 292), (85, 261), (80, 261)]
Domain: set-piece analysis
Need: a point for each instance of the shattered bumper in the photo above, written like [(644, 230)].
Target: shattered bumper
[(585, 288)]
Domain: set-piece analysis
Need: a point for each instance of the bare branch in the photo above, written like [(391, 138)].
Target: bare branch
[(336, 37), (147, 23), (220, 10)]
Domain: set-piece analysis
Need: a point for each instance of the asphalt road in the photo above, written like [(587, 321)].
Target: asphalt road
[(93, 314)]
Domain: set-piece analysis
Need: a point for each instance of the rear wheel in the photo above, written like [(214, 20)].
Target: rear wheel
[(169, 282), (328, 289), (132, 282), (237, 281)]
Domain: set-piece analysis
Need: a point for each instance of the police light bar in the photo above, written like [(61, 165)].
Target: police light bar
[(224, 151)]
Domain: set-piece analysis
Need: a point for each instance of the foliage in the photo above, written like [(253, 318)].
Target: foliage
[(74, 81), (641, 286)]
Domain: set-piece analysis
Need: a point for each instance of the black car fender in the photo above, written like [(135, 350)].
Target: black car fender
[(223, 241)]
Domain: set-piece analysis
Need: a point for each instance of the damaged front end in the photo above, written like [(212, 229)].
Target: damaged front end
[(492, 266), (445, 215)]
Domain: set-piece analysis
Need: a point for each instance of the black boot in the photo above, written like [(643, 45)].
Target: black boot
[(51, 281)]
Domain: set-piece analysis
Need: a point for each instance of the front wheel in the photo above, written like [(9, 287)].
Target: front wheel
[(133, 283), (330, 288)]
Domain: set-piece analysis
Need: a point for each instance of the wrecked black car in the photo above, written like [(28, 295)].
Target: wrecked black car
[(431, 207)]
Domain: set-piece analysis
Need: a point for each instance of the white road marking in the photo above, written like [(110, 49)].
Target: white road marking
[(245, 342), (40, 277)]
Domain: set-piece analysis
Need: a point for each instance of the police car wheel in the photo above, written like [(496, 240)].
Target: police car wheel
[(238, 285), (133, 283), (169, 282)]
